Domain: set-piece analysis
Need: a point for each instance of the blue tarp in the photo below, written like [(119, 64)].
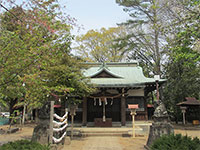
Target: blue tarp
[(4, 121)]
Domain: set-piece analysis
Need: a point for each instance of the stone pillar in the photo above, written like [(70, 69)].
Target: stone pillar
[(84, 113), (160, 126), (123, 111), (41, 131)]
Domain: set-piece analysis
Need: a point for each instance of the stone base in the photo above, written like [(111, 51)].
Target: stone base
[(157, 130), (59, 146), (67, 140), (2, 131), (40, 134), (76, 133), (56, 147), (12, 130)]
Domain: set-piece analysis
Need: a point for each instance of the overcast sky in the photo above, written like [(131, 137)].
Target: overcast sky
[(95, 14)]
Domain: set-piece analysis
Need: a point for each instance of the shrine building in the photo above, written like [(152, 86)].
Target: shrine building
[(117, 85)]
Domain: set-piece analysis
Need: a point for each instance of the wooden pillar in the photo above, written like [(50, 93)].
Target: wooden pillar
[(123, 110), (145, 104), (145, 108), (104, 111), (84, 114), (133, 113)]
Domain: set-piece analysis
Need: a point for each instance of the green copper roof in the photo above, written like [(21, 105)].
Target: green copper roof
[(124, 75)]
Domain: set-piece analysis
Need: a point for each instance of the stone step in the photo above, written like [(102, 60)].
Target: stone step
[(106, 134), (117, 132), (85, 132)]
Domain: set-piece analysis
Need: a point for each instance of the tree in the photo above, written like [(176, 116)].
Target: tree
[(182, 69), (35, 55), (145, 39), (99, 46)]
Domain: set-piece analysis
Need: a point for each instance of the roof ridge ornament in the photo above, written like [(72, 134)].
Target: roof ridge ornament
[(103, 66), (157, 77)]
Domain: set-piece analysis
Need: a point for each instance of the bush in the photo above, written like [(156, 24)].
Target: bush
[(176, 142), (24, 145)]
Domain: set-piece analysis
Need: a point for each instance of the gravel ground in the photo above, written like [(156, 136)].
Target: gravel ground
[(97, 142), (107, 143), (24, 133)]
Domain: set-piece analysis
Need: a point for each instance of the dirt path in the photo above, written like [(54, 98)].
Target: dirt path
[(25, 133), (192, 133), (95, 142), (107, 143), (117, 142)]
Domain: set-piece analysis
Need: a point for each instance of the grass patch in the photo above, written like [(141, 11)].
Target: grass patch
[(24, 145)]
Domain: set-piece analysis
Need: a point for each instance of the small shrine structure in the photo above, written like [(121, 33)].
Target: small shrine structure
[(190, 109)]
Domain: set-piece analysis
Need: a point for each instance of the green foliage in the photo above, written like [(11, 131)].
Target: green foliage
[(99, 46), (176, 142), (65, 80), (145, 40), (153, 25), (182, 69), (35, 58), (183, 81), (24, 145)]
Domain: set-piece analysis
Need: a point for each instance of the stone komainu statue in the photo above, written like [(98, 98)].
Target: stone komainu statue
[(161, 124), (160, 113)]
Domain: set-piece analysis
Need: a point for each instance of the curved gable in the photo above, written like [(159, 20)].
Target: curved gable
[(104, 73)]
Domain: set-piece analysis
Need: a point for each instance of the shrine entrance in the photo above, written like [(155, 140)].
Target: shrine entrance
[(103, 110)]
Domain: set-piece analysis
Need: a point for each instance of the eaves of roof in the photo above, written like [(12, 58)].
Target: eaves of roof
[(130, 76)]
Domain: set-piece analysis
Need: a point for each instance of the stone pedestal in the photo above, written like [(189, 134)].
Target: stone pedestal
[(67, 140), (160, 126), (41, 131), (157, 130)]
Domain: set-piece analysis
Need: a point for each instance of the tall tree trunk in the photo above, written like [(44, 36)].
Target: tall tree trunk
[(156, 38), (36, 116), (11, 105), (24, 113), (157, 50)]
